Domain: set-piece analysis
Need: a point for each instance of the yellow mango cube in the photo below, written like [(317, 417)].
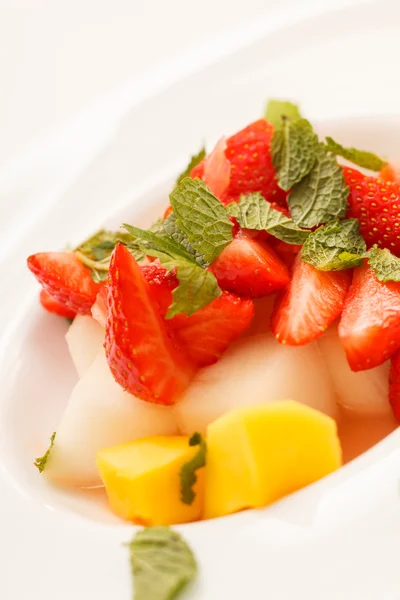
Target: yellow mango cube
[(143, 484), (258, 454)]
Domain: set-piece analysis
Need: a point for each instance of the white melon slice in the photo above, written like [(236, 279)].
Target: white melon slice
[(85, 338), (255, 370), (100, 414), (365, 391)]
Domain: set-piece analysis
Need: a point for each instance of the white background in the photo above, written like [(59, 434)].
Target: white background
[(58, 56)]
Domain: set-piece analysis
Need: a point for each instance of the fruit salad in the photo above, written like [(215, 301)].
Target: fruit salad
[(245, 344)]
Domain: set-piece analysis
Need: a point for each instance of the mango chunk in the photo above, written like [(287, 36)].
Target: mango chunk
[(142, 480), (258, 454)]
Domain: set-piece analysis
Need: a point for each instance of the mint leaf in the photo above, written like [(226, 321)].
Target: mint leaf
[(385, 264), (335, 246), (95, 252), (162, 564), (322, 195), (276, 109), (194, 161), (171, 228), (149, 241), (362, 158), (254, 212), (188, 471), (202, 218), (294, 149), (197, 286), (40, 462)]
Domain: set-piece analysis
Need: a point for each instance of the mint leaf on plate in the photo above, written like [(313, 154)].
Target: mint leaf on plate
[(188, 471), (276, 109), (362, 158), (197, 286), (95, 252), (162, 564), (335, 246), (254, 212), (294, 149), (322, 195), (385, 264), (40, 462), (194, 161), (171, 229), (202, 218)]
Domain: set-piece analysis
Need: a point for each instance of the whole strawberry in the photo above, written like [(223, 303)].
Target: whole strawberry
[(376, 204)]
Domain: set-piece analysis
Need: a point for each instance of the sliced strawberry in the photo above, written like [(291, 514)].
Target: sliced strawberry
[(208, 332), (251, 163), (99, 309), (251, 168), (370, 325), (66, 279), (198, 170), (376, 204), (54, 307), (310, 303), (142, 356), (394, 385), (162, 283), (217, 170), (287, 252), (249, 267)]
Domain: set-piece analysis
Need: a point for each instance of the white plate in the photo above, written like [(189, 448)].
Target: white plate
[(335, 540)]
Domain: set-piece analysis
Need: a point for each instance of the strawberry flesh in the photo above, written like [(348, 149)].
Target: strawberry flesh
[(370, 325), (376, 204), (394, 385), (207, 333), (249, 267), (142, 356), (310, 303), (251, 168), (54, 307), (66, 279)]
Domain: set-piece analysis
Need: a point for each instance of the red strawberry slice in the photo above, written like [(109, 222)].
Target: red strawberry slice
[(66, 279), (142, 356), (370, 325), (207, 333), (251, 163), (249, 267), (394, 385), (217, 170), (391, 172), (251, 169), (162, 283), (54, 307), (376, 204), (310, 303), (99, 309)]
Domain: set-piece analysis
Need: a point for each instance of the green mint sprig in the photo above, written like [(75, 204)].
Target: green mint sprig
[(322, 195), (192, 237), (162, 564), (335, 246), (253, 212), (41, 462), (187, 474), (276, 109), (294, 148), (361, 158)]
